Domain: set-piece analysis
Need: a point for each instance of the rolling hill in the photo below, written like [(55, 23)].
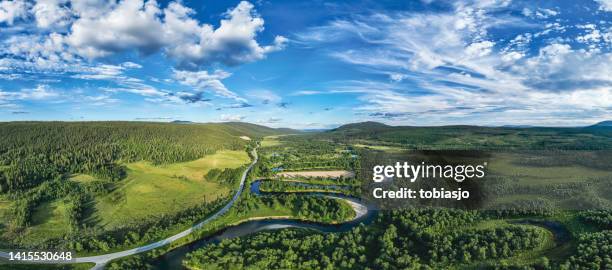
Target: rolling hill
[(475, 137)]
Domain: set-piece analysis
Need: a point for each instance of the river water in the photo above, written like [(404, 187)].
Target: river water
[(174, 258)]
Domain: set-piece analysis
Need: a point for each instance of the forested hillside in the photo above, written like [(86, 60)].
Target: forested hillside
[(473, 137), (95, 186), (32, 152)]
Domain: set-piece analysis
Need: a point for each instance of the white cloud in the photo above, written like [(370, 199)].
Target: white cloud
[(41, 92), (202, 80), (99, 100), (52, 13), (143, 26), (540, 13), (10, 10), (233, 42), (605, 5), (131, 65), (132, 24), (265, 96), (232, 118), (308, 93), (71, 34), (480, 49), (91, 8), (39, 53), (592, 34), (462, 73), (397, 77)]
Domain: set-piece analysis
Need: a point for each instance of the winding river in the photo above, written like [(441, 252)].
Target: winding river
[(172, 259), (364, 214)]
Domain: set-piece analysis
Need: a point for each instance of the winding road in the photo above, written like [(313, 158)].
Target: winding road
[(100, 261)]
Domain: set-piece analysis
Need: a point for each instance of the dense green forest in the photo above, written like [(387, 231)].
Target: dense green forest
[(401, 239), (437, 238), (527, 229), (293, 186), (297, 153), (37, 160), (405, 239), (32, 152), (472, 137)]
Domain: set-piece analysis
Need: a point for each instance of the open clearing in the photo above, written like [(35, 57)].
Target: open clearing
[(270, 141), (150, 190), (331, 174), (82, 178), (390, 149), (48, 221)]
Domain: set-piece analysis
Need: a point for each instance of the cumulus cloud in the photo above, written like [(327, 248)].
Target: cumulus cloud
[(132, 24), (10, 10), (232, 43), (52, 13), (70, 35), (605, 5), (147, 28)]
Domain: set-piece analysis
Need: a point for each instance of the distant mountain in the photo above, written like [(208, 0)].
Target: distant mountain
[(181, 122), (288, 130), (518, 126), (257, 130), (314, 129), (369, 126), (607, 123)]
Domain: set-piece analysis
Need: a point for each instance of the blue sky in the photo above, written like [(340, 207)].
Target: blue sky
[(308, 64)]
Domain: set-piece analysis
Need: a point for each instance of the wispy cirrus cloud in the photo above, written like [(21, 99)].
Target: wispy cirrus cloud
[(452, 62), (203, 80)]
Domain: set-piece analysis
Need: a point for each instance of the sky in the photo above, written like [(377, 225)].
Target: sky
[(308, 64)]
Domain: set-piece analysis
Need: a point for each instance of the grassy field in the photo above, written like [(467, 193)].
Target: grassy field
[(49, 221), (504, 164), (270, 141), (535, 183), (154, 190), (391, 149), (82, 178)]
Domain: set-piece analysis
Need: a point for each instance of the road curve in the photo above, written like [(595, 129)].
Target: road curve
[(102, 260)]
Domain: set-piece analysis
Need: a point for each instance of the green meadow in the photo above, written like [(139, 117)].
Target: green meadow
[(150, 190), (506, 164), (270, 141), (49, 220)]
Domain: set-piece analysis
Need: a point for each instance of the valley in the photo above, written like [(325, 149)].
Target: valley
[(311, 188)]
